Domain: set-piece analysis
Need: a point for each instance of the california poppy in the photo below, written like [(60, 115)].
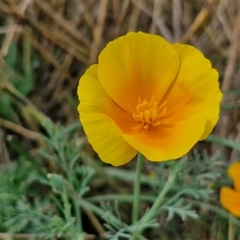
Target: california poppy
[(149, 96), (229, 197)]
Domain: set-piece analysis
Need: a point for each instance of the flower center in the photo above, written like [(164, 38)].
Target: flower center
[(148, 114)]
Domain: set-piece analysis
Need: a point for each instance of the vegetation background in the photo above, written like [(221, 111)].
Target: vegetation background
[(45, 46)]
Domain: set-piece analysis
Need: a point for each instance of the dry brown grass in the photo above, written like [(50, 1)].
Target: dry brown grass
[(76, 31)]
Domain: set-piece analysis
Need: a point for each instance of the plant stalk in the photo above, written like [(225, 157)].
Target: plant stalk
[(137, 184), (151, 214), (231, 228)]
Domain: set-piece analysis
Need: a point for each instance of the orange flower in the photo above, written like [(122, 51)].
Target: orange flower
[(149, 96), (230, 198)]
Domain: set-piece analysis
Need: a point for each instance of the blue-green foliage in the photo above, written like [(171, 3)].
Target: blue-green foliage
[(47, 192)]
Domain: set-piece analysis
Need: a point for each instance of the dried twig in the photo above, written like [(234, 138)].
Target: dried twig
[(4, 155), (133, 22), (200, 20), (233, 53), (65, 24), (19, 129), (13, 28), (157, 9), (176, 19), (97, 35)]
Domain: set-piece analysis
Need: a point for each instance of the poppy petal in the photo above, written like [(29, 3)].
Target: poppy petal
[(138, 65), (230, 200), (97, 114), (234, 173), (168, 142), (196, 88)]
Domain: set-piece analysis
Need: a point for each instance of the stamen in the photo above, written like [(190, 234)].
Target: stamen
[(148, 114)]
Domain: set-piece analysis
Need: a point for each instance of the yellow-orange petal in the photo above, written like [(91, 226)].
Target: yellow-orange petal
[(137, 65), (165, 142), (99, 115), (230, 200), (234, 173), (196, 88)]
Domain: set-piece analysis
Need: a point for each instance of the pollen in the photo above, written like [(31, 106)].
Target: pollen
[(148, 113)]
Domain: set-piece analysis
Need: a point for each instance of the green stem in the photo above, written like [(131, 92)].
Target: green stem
[(231, 228), (151, 214), (137, 184), (78, 215), (78, 212), (67, 205), (67, 212)]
